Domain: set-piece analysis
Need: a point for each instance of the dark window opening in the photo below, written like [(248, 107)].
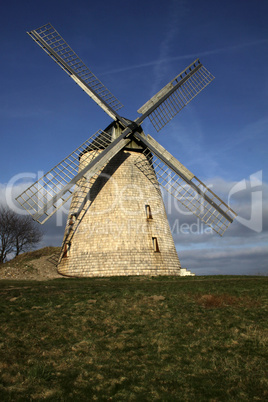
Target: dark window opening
[(72, 219), (148, 212), (155, 245), (66, 250)]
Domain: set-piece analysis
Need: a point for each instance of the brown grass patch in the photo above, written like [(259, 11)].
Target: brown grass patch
[(224, 300)]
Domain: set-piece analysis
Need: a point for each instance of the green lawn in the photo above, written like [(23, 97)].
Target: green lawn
[(134, 339)]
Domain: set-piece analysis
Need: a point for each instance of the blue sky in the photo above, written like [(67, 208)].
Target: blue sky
[(135, 48)]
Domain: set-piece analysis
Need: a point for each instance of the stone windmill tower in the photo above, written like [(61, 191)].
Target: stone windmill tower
[(117, 224)]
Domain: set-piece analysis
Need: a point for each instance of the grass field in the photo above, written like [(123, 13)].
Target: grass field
[(134, 339)]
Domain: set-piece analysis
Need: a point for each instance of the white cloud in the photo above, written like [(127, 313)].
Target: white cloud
[(53, 229), (226, 261), (242, 249)]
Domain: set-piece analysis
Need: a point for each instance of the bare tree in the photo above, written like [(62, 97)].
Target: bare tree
[(17, 233), (6, 232), (26, 234)]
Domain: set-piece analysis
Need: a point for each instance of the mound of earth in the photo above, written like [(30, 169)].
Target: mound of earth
[(36, 265)]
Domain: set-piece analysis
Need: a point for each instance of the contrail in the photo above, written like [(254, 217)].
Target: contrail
[(186, 56)]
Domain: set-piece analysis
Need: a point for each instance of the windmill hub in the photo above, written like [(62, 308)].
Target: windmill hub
[(133, 126)]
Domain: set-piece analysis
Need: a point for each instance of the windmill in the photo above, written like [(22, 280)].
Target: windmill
[(117, 224)]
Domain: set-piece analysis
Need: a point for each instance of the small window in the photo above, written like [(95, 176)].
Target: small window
[(155, 245), (66, 251), (72, 219), (148, 212)]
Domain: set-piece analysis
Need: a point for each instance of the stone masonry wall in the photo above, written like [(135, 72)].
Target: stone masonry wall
[(112, 234)]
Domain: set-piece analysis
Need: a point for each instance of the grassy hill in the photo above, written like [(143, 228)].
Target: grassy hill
[(38, 265), (134, 339)]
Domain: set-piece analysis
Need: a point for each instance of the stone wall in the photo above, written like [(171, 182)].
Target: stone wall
[(113, 233)]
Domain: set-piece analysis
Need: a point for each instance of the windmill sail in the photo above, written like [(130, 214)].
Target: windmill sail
[(55, 46), (185, 187), (44, 197), (171, 99)]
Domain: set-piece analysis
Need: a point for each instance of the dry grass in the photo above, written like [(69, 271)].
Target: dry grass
[(33, 255), (134, 339), (34, 265), (224, 300)]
